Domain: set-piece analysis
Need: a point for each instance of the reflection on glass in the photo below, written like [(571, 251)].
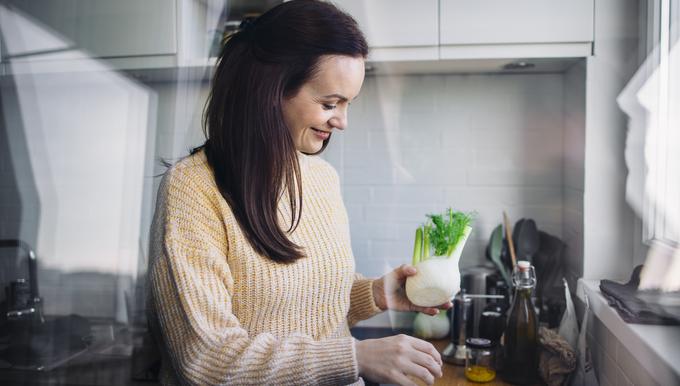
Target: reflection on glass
[(82, 98), (652, 186)]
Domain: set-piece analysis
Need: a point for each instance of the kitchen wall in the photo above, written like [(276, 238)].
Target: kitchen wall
[(420, 143), (574, 162), (614, 364), (417, 144)]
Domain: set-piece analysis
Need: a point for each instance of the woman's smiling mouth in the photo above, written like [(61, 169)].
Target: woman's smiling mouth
[(323, 135)]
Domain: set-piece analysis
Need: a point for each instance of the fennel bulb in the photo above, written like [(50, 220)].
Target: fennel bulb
[(435, 283), (438, 278)]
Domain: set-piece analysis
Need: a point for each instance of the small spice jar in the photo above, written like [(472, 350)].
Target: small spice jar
[(480, 360)]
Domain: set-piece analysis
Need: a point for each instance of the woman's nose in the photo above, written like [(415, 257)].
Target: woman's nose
[(339, 121)]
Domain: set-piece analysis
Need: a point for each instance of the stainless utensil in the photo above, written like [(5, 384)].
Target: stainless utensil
[(473, 280), (461, 328)]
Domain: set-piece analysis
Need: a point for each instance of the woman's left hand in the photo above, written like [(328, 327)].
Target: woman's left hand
[(389, 292)]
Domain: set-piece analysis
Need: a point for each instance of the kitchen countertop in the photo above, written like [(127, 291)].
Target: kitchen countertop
[(452, 375), (94, 368), (657, 347), (455, 375), (106, 362)]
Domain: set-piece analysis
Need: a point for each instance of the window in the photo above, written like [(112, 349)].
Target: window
[(651, 100)]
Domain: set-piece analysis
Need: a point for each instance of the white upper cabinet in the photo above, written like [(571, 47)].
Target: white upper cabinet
[(411, 30), (98, 28), (520, 28), (126, 27), (397, 29), (82, 35), (68, 35), (52, 36)]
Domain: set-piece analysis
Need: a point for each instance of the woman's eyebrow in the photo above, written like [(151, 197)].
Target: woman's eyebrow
[(341, 97)]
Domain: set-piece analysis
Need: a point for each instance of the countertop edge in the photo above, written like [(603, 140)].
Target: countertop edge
[(655, 346)]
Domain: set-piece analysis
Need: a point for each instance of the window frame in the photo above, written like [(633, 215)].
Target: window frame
[(662, 204)]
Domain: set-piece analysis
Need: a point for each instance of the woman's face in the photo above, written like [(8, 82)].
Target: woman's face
[(320, 107)]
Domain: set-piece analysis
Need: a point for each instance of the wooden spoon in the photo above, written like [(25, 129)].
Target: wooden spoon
[(508, 236)]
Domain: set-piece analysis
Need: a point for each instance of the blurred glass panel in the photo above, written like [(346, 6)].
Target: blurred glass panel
[(93, 95)]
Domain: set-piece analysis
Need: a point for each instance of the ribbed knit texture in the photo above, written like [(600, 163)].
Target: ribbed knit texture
[(228, 315)]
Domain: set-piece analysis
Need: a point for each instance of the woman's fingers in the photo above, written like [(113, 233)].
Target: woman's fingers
[(427, 310), (394, 359), (427, 362), (408, 270), (398, 377), (418, 371), (428, 348), (403, 271), (433, 310), (445, 306)]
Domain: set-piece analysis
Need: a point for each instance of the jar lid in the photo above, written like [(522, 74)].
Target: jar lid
[(478, 343)]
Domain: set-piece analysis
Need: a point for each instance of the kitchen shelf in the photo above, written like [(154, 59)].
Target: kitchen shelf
[(470, 66), (533, 50), (655, 347), (160, 68), (164, 68)]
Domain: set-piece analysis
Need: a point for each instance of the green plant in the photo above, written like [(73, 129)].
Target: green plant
[(437, 280), (442, 232), (448, 230)]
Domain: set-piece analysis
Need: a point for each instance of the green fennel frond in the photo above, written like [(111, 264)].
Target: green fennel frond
[(448, 230)]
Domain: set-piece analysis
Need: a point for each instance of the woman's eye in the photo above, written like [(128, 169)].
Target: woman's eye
[(328, 107)]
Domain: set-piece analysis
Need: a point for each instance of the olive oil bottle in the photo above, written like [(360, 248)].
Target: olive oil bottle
[(520, 348)]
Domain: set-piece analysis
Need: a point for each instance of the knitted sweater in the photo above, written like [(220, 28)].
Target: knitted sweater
[(224, 314)]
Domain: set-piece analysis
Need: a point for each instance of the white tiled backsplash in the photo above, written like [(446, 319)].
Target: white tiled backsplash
[(416, 144)]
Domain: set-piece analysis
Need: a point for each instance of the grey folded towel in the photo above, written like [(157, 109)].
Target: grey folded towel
[(642, 307)]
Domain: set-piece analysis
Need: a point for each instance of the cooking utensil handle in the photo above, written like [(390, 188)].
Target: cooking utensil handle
[(508, 235)]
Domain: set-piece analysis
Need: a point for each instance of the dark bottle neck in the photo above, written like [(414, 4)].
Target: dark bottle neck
[(522, 295)]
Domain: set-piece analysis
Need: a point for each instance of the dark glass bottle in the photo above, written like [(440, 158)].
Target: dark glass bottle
[(520, 348)]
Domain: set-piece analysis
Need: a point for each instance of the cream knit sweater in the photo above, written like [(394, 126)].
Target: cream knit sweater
[(223, 314)]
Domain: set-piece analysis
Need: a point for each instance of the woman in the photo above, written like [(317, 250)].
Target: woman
[(252, 276)]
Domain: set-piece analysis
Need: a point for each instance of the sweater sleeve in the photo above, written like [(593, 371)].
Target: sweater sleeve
[(362, 304), (190, 285)]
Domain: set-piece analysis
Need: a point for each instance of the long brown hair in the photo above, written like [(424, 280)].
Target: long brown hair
[(249, 146)]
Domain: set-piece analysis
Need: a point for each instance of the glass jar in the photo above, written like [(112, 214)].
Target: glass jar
[(480, 360)]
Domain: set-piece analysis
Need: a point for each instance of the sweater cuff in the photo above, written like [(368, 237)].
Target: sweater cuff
[(335, 360), (362, 303)]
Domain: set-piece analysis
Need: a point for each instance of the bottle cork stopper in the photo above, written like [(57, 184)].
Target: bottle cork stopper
[(523, 265)]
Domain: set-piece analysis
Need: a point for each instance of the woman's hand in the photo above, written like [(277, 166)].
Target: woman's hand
[(395, 358), (390, 294)]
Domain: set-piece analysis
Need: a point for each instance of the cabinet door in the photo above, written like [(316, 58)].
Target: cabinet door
[(395, 23), (515, 22), (106, 28)]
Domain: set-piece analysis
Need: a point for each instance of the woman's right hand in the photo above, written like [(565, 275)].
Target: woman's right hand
[(393, 359)]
